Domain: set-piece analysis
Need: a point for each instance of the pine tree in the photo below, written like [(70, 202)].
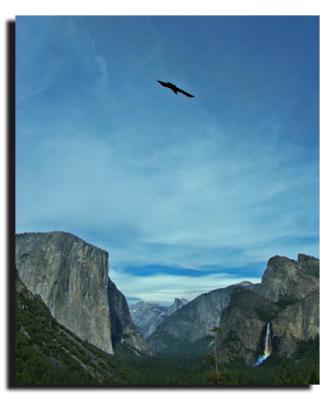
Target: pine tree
[(215, 376)]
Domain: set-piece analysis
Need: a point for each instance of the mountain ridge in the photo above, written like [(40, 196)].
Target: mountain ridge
[(193, 322)]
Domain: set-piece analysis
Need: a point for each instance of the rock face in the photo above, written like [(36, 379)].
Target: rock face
[(243, 323), (71, 277), (289, 280), (147, 316), (287, 297), (123, 328), (184, 329), (299, 321)]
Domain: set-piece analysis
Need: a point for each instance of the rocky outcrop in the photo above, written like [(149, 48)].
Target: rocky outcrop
[(309, 264), (184, 329), (287, 297), (289, 280), (71, 277)]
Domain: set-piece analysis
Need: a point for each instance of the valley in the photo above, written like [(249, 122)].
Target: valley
[(74, 327)]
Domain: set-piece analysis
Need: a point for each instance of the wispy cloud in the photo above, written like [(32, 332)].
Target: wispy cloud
[(164, 288), (187, 208), (52, 60)]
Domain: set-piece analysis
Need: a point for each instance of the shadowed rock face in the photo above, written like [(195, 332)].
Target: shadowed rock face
[(309, 264), (71, 276), (119, 313), (242, 324), (123, 328), (288, 297)]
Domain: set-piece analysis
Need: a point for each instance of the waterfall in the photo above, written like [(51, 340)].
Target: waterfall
[(267, 347)]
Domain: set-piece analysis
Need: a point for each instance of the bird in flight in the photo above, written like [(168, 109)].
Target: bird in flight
[(174, 88)]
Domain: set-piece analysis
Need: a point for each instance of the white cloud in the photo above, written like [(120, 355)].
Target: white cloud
[(165, 288), (193, 203)]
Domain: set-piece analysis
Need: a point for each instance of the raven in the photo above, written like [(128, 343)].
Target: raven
[(174, 88)]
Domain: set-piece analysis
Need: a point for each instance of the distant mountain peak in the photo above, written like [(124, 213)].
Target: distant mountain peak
[(177, 305), (245, 283), (148, 316)]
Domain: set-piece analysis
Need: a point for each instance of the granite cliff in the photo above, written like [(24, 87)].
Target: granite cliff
[(71, 277), (287, 298), (289, 280)]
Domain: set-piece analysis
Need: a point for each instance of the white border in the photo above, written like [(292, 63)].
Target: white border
[(10, 8)]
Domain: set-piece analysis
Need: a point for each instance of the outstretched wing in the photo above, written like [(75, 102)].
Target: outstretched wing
[(184, 93), (165, 84)]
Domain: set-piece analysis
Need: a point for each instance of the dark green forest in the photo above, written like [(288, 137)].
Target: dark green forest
[(302, 369)]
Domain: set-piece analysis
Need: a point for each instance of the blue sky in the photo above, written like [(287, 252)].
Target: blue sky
[(187, 195)]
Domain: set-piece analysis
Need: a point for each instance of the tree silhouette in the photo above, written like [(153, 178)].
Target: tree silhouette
[(215, 376)]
